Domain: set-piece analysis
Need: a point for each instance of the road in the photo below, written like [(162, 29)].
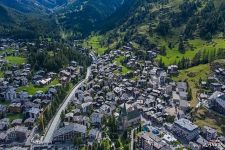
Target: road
[(56, 120), (132, 140)]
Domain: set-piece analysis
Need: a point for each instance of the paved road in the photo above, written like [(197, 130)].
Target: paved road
[(56, 120), (132, 140)]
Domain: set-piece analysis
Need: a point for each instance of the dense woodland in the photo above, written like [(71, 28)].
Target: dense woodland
[(17, 24), (54, 56)]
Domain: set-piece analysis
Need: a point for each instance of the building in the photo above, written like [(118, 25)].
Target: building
[(96, 118), (209, 133), (150, 141), (128, 119), (33, 112), (15, 108), (185, 129), (94, 134), (217, 102), (18, 133), (69, 132), (173, 69)]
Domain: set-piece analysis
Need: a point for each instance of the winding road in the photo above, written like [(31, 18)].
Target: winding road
[(56, 120)]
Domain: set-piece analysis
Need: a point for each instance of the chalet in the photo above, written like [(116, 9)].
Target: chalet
[(15, 108), (150, 141), (33, 112), (43, 82), (2, 110), (10, 94), (173, 69), (64, 80), (3, 137), (96, 118), (65, 73), (4, 123), (83, 120), (94, 134), (209, 133), (87, 107), (182, 86), (29, 122), (16, 122), (216, 86)]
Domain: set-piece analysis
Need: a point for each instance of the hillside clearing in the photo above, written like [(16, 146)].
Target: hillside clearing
[(192, 76)]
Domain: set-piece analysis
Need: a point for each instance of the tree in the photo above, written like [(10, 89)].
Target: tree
[(117, 144), (125, 134), (163, 51), (223, 129), (189, 94), (62, 116), (161, 63), (197, 59), (181, 46), (140, 128), (163, 28), (126, 147)]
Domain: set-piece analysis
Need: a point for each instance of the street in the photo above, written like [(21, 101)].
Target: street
[(56, 120)]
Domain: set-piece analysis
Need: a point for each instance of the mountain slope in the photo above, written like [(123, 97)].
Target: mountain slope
[(16, 24), (84, 15), (28, 6), (179, 29)]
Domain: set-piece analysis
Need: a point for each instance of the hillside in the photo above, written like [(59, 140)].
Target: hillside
[(24, 24), (83, 16), (179, 29)]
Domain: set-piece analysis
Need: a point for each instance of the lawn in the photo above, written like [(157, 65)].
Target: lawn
[(14, 116), (1, 74), (192, 76), (94, 42), (118, 62), (31, 89), (173, 55), (203, 117), (4, 102), (15, 60), (9, 50)]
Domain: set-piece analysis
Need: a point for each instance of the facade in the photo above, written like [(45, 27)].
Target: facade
[(18, 133), (96, 118), (217, 102), (185, 129), (69, 132), (209, 133)]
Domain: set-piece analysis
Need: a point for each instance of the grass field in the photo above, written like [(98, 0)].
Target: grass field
[(118, 61), (192, 76), (173, 55), (15, 60), (203, 117), (31, 89), (94, 42), (1, 74), (14, 116), (4, 102)]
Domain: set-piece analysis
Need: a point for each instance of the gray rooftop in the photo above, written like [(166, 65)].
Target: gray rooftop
[(186, 124), (73, 127)]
